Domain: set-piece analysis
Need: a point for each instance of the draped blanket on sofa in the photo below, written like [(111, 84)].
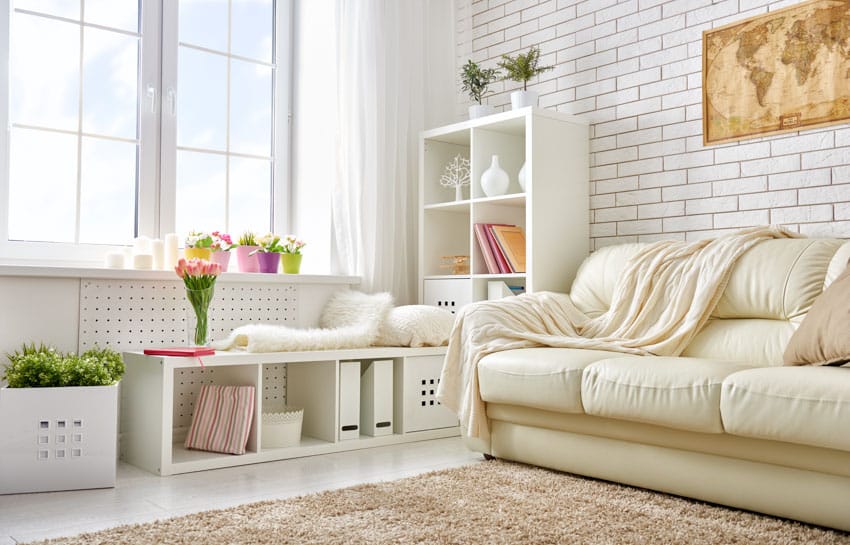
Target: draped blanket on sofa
[(663, 298)]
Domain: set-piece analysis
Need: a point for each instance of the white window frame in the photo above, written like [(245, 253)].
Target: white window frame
[(156, 189)]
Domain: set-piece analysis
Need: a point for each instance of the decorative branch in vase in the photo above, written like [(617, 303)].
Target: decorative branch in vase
[(456, 175)]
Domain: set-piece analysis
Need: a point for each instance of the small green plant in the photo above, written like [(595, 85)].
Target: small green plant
[(248, 239), (44, 367), (477, 80), (523, 67)]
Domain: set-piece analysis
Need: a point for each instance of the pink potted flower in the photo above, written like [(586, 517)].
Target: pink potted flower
[(220, 248), (246, 253)]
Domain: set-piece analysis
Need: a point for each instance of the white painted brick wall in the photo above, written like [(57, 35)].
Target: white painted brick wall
[(633, 69)]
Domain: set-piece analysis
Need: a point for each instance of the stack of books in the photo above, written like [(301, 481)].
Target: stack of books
[(503, 247)]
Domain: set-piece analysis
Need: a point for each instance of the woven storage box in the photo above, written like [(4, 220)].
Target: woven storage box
[(282, 427)]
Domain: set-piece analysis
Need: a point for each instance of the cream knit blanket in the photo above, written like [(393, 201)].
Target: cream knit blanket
[(663, 298)]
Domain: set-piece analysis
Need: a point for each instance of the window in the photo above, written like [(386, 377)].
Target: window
[(132, 117)]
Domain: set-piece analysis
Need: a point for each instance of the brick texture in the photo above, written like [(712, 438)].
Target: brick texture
[(633, 69)]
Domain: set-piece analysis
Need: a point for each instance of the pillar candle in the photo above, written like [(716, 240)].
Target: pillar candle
[(142, 245), (143, 261), (115, 261), (158, 252), (171, 250)]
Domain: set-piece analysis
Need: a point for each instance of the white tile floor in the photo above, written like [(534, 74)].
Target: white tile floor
[(140, 496)]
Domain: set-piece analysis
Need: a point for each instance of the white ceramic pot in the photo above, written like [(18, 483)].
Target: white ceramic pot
[(521, 99), (494, 180), (521, 177), (480, 110)]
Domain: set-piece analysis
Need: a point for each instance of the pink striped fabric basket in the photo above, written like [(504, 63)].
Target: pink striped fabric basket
[(222, 419)]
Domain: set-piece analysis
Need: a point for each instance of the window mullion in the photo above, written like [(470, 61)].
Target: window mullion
[(168, 119), (148, 185), (5, 126), (281, 116)]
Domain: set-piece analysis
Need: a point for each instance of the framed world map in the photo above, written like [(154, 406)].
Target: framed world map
[(786, 70)]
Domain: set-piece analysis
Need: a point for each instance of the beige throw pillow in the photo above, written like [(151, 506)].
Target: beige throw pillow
[(822, 338)]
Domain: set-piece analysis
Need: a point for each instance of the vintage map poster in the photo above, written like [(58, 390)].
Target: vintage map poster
[(786, 70)]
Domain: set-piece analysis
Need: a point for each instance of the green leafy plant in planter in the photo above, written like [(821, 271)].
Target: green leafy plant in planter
[(521, 69), (476, 82), (44, 367)]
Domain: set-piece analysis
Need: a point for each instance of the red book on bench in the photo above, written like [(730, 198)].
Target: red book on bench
[(187, 351)]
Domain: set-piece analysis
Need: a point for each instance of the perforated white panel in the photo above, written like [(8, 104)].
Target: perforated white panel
[(132, 315), (274, 385)]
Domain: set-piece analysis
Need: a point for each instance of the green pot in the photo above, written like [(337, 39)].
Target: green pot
[(291, 263)]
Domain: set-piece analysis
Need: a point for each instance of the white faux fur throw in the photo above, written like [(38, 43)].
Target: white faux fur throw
[(350, 319), (663, 298)]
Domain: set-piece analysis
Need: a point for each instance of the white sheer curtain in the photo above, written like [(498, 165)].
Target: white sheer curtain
[(395, 70)]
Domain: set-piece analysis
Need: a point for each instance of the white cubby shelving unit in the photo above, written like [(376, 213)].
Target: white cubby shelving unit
[(553, 211), (157, 400)]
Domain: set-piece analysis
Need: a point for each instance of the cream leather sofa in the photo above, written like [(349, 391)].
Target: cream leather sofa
[(724, 423)]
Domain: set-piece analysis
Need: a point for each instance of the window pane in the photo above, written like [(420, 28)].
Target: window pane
[(250, 108), (250, 195), (200, 192), (62, 8), (110, 83), (201, 100), (203, 23), (107, 191), (45, 73), (42, 186), (252, 29), (123, 14)]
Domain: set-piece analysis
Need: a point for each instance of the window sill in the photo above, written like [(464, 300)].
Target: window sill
[(42, 271)]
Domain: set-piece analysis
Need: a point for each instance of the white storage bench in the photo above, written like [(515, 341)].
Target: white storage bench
[(158, 392)]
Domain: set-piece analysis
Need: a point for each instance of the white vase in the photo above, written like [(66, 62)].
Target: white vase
[(521, 177), (494, 180), (521, 99), (480, 110)]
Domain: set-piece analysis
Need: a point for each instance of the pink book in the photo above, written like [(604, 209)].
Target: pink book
[(504, 268), (187, 351), (484, 244)]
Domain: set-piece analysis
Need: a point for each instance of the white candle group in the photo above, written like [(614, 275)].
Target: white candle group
[(146, 254)]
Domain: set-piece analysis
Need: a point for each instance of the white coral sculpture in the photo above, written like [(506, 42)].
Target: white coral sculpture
[(457, 173)]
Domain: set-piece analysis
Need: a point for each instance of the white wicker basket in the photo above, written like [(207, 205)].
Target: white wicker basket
[(282, 427)]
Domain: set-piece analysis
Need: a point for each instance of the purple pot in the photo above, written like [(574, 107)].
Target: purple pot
[(268, 261)]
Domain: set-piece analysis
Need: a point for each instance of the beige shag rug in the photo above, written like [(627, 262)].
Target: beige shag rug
[(488, 503)]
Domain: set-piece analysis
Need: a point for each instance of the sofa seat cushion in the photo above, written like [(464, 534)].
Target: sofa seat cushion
[(803, 405), (541, 378), (675, 392)]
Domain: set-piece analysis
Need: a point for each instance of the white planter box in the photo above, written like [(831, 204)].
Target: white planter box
[(58, 438)]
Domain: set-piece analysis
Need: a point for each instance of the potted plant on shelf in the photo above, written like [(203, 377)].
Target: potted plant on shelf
[(197, 245), (220, 248), (521, 69), (59, 420), (246, 253), (268, 252), (290, 254), (476, 81)]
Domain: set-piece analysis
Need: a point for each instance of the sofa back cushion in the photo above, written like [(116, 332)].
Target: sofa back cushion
[(770, 289), (777, 279)]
